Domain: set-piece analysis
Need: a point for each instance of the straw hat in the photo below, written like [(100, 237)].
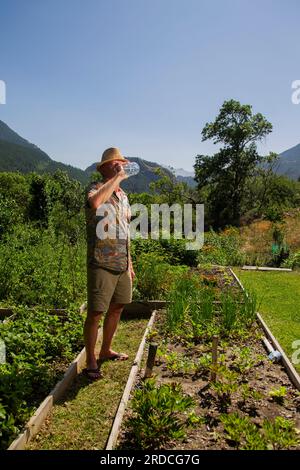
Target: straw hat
[(109, 155)]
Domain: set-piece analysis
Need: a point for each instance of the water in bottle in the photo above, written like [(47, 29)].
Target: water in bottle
[(131, 168)]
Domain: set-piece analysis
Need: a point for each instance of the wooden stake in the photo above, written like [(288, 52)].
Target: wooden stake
[(150, 360), (214, 357)]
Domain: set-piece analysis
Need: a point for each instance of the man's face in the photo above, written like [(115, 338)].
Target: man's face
[(110, 169)]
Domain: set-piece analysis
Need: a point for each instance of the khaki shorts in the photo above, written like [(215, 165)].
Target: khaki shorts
[(104, 287)]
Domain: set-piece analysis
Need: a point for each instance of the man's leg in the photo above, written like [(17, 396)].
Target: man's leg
[(109, 327), (90, 337)]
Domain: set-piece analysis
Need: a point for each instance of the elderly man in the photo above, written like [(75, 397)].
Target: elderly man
[(109, 266)]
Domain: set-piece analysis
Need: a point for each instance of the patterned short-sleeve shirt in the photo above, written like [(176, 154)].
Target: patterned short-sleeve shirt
[(108, 231)]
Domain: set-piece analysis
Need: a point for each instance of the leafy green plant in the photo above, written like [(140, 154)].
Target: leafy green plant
[(240, 430), (225, 385), (278, 394), (202, 311), (36, 342), (229, 312), (181, 299), (276, 434), (204, 362), (178, 363), (280, 433), (194, 420), (249, 392), (244, 361), (158, 414), (293, 261), (223, 248), (154, 276), (248, 307)]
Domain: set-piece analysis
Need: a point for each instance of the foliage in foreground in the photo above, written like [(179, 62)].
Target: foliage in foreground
[(158, 414), (36, 342), (274, 435), (193, 311)]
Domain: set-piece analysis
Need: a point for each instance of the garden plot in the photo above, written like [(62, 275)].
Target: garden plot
[(238, 399), (39, 347)]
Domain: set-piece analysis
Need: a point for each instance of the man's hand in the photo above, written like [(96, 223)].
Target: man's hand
[(120, 171), (132, 273)]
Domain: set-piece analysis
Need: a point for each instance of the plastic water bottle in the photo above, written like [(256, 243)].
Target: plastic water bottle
[(275, 356), (131, 168)]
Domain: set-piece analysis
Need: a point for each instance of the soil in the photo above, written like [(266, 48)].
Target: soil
[(262, 376)]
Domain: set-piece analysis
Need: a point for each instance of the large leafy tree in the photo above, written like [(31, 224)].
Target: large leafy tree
[(237, 130)]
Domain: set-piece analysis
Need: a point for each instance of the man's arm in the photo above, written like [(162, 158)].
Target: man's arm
[(102, 194)]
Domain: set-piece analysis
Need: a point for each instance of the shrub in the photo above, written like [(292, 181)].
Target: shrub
[(222, 248), (39, 268), (35, 341), (154, 276), (158, 414)]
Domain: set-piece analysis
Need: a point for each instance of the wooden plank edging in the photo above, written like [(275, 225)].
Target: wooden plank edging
[(290, 369), (112, 439), (265, 268)]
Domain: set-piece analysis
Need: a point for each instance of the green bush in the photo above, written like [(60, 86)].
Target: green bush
[(36, 342), (158, 414), (222, 248), (293, 261), (173, 250), (154, 276), (39, 268)]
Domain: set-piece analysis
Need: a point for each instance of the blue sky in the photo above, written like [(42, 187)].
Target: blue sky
[(145, 75)]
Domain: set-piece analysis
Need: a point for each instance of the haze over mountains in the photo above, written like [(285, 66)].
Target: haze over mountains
[(18, 154)]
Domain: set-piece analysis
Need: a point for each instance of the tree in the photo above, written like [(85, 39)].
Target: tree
[(238, 130), (170, 190)]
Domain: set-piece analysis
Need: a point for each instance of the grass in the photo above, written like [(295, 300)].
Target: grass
[(82, 420), (278, 297)]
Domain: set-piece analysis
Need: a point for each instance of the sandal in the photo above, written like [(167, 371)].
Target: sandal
[(93, 374)]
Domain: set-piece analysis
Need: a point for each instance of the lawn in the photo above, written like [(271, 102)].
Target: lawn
[(278, 302)]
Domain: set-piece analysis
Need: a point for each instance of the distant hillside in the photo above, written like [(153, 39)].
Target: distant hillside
[(17, 154), (189, 180), (8, 135), (289, 163), (139, 183), (182, 175)]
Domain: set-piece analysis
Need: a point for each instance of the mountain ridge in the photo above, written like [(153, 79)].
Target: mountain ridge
[(18, 154)]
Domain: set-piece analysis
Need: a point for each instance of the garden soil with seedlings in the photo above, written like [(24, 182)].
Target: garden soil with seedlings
[(257, 389)]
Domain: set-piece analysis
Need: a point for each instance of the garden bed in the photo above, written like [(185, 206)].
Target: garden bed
[(39, 348), (250, 404)]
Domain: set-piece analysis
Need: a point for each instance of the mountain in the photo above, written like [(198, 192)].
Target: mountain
[(139, 183), (189, 180), (289, 162), (17, 154), (182, 175), (8, 135)]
